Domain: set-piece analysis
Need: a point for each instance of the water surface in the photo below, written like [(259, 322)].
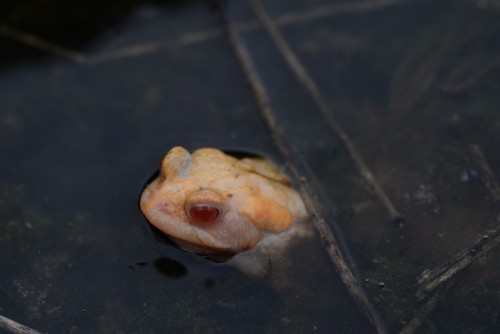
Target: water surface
[(413, 83)]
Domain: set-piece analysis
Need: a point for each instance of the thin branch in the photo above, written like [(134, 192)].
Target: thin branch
[(459, 88), (414, 324), (42, 45), (486, 173), (136, 50), (297, 172), (15, 327), (348, 7), (431, 279), (306, 80)]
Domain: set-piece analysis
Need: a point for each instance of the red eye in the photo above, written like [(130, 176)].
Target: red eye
[(204, 212)]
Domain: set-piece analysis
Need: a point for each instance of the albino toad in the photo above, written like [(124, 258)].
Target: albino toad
[(214, 204)]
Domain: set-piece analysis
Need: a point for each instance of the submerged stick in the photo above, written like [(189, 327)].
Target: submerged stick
[(139, 49), (461, 87), (486, 173), (414, 324), (332, 245), (41, 44), (346, 7), (306, 80), (431, 279), (15, 327)]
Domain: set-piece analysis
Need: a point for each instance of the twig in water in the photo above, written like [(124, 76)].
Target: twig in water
[(413, 325), (140, 49), (41, 44), (347, 7), (458, 88), (297, 170), (14, 327), (486, 174), (306, 80), (295, 17), (431, 279)]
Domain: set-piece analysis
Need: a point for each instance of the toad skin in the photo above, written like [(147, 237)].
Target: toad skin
[(211, 203)]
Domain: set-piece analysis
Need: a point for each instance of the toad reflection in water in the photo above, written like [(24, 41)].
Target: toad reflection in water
[(213, 204)]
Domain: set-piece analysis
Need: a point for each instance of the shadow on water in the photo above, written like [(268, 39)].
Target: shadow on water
[(92, 96)]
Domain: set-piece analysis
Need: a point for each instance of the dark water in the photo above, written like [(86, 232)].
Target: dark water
[(414, 84)]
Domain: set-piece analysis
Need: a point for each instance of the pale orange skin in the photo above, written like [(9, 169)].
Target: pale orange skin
[(256, 201)]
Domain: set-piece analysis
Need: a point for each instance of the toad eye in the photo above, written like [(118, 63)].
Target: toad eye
[(204, 212)]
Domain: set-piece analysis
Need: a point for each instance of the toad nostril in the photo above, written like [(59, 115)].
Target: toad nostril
[(204, 212)]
